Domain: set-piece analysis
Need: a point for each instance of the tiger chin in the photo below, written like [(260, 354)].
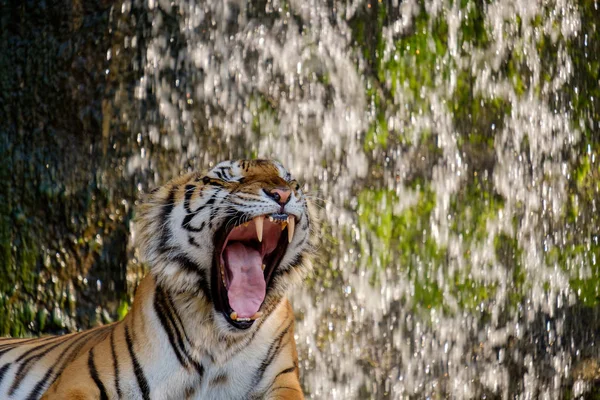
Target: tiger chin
[(210, 320)]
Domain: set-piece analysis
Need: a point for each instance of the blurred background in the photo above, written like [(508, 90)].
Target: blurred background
[(451, 148)]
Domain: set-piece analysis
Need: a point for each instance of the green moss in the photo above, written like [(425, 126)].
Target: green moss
[(509, 254), (473, 208), (377, 135), (416, 59), (401, 238), (472, 27), (570, 258), (478, 119), (123, 308), (471, 293), (583, 91), (376, 217), (42, 319), (262, 110)]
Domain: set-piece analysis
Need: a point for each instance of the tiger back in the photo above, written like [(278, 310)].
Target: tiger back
[(210, 320)]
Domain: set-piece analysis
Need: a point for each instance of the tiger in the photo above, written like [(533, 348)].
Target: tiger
[(211, 319)]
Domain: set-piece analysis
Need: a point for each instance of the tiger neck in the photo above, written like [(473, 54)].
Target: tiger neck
[(185, 321)]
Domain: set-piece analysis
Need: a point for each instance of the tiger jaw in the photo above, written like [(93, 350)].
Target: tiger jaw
[(245, 258)]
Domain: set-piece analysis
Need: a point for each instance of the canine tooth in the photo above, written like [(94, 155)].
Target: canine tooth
[(257, 315), (233, 316), (263, 267), (258, 222), (283, 224), (291, 226)]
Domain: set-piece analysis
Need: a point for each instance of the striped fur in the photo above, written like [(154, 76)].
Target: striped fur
[(174, 343)]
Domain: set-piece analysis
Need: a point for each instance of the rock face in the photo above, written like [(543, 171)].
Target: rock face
[(452, 146), (63, 226)]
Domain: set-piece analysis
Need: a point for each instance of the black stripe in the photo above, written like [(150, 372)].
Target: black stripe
[(209, 202), (280, 271), (190, 266), (285, 371), (185, 224), (298, 260), (137, 369), (167, 208), (95, 377), (193, 242), (189, 191), (161, 312), (304, 240), (39, 387), (213, 214), (26, 365), (166, 312), (18, 342), (199, 369), (305, 226), (3, 370), (185, 262), (251, 197), (7, 350), (274, 349), (234, 215), (227, 172), (171, 313), (78, 342), (187, 220), (167, 303), (259, 323), (93, 337), (115, 363), (171, 306), (210, 181), (17, 345)]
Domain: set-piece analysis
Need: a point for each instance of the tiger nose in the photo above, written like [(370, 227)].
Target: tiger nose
[(280, 195)]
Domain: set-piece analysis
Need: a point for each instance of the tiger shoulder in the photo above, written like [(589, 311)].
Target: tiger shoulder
[(211, 319)]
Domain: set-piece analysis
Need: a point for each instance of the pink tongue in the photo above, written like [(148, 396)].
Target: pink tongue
[(247, 285)]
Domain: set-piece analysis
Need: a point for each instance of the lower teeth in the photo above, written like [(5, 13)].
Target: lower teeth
[(235, 317)]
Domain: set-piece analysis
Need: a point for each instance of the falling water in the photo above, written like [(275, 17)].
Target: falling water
[(454, 257), (448, 148)]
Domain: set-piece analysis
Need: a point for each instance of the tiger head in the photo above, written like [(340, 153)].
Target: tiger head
[(236, 236)]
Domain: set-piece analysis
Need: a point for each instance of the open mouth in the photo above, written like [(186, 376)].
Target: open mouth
[(245, 258)]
